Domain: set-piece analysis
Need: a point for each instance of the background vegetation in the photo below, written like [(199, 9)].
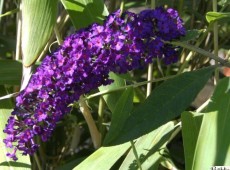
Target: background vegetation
[(181, 125)]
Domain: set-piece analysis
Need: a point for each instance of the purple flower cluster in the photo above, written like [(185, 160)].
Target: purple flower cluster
[(83, 63)]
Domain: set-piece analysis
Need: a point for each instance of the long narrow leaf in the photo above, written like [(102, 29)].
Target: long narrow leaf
[(104, 158), (149, 148), (191, 123), (166, 102), (122, 110), (38, 19), (213, 142)]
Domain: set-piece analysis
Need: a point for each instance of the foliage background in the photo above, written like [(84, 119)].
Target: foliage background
[(170, 129)]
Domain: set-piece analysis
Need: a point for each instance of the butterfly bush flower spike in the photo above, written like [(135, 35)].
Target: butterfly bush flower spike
[(82, 63)]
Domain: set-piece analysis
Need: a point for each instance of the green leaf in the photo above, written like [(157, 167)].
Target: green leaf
[(121, 112), (191, 123), (213, 142), (104, 158), (149, 148), (112, 98), (215, 16), (5, 163), (166, 102), (10, 72), (38, 19), (85, 12)]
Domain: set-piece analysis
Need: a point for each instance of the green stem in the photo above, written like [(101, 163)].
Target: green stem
[(10, 12), (41, 150), (159, 67), (150, 67), (136, 155), (95, 134), (153, 4), (37, 161), (1, 8), (101, 116), (215, 34), (201, 51), (150, 79), (19, 34), (122, 6), (124, 87)]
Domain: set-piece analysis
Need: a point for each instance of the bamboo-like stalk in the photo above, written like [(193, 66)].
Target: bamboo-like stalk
[(150, 66), (26, 71), (215, 37), (37, 161), (19, 34), (95, 134), (149, 78), (101, 116), (122, 6)]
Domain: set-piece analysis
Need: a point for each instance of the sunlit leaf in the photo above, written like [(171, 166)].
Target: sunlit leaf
[(214, 16), (149, 148), (191, 123), (104, 158), (38, 19), (85, 12), (213, 142)]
